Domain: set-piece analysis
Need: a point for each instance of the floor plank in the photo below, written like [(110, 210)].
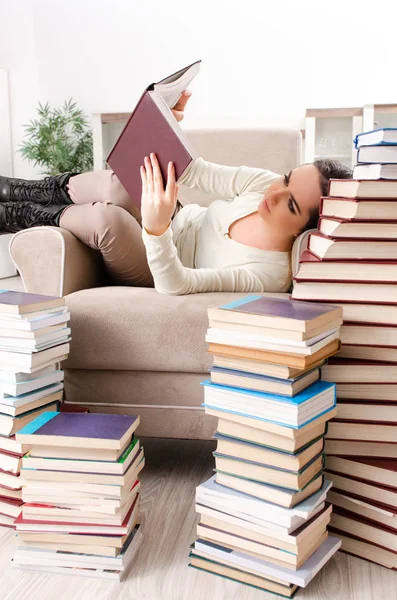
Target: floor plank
[(173, 470)]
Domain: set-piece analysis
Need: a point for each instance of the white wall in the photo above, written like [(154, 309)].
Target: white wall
[(17, 54), (264, 61)]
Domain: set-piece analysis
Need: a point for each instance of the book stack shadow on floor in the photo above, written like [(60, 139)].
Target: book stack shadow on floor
[(353, 262), (81, 495), (34, 339), (264, 514)]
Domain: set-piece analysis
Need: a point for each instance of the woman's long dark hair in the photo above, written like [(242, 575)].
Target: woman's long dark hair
[(328, 169)]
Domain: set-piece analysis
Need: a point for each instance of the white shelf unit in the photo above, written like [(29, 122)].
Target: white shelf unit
[(330, 133), (106, 129), (376, 116)]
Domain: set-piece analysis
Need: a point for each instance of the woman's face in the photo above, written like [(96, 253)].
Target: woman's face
[(288, 201)]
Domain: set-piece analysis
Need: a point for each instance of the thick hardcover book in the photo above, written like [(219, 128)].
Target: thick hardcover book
[(312, 268), (279, 358), (375, 171), (377, 154), (332, 291), (153, 128), (339, 229), (361, 431), (19, 303), (376, 471), (360, 209), (244, 561), (294, 411), (281, 312), (343, 370), (91, 430), (382, 136), (327, 248), (357, 188)]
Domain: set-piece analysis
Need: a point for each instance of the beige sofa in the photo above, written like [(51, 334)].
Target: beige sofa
[(133, 349)]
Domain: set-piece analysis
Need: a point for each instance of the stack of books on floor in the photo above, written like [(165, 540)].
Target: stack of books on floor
[(352, 261), (34, 338), (264, 515), (81, 495)]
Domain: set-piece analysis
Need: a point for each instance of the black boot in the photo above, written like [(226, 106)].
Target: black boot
[(51, 190), (15, 216)]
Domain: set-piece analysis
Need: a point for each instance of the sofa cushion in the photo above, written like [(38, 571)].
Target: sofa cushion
[(127, 328)]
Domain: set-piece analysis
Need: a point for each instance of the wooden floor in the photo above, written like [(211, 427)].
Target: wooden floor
[(174, 468)]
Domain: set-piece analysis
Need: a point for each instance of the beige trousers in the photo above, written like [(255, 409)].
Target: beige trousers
[(104, 217)]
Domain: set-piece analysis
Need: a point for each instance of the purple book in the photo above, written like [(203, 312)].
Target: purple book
[(94, 430), (22, 302), (284, 308), (153, 128)]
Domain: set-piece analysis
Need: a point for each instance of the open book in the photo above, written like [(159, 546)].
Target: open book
[(153, 128)]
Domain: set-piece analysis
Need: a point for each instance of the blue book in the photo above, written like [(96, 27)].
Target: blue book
[(386, 136), (295, 411), (264, 383)]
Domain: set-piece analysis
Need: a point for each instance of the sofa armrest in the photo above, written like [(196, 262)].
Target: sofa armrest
[(53, 261)]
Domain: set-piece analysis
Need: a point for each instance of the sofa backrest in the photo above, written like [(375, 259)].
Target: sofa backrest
[(278, 150)]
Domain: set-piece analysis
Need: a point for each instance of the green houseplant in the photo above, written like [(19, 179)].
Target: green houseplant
[(59, 140)]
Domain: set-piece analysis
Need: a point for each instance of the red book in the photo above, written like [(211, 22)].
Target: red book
[(355, 188), (363, 209), (348, 230), (312, 268), (153, 128), (376, 471), (326, 248)]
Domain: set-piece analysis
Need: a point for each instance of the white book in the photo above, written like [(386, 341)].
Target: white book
[(375, 171), (222, 336), (19, 371), (301, 577), (28, 360), (33, 344), (26, 346), (290, 518), (16, 401), (265, 339), (10, 389), (33, 316), (209, 504), (103, 568), (275, 533), (35, 324)]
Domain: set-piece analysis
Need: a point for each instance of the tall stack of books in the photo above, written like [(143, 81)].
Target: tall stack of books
[(34, 338), (352, 261), (81, 495), (264, 515)]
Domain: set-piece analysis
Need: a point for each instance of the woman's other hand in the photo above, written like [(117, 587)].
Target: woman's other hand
[(178, 109), (158, 204)]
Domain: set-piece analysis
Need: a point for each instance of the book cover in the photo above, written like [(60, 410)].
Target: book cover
[(149, 130), (22, 302), (279, 307), (79, 425)]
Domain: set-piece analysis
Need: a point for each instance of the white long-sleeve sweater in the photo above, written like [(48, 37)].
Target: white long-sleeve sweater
[(196, 254)]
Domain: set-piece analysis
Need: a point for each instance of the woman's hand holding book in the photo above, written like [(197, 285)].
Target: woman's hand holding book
[(157, 204)]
